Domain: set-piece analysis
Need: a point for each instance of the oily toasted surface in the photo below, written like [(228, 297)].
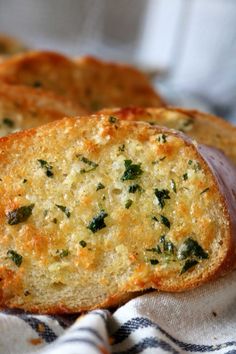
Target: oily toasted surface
[(94, 209), (205, 128), (23, 107), (89, 82)]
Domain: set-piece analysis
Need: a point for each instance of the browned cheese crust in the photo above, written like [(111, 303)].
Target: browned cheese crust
[(205, 128), (95, 209), (89, 82)]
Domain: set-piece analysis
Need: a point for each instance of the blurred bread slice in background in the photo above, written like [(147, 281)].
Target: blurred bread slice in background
[(10, 45), (23, 107), (91, 83), (205, 128)]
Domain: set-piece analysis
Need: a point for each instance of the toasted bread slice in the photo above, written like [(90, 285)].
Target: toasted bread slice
[(90, 83), (23, 107), (205, 128), (10, 45), (95, 209)]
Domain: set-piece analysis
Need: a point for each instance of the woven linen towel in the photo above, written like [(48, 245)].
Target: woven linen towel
[(198, 321)]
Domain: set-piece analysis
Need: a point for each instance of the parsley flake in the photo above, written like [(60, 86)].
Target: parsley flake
[(97, 222), (48, 168), (64, 209), (132, 171), (15, 257), (162, 195), (19, 215)]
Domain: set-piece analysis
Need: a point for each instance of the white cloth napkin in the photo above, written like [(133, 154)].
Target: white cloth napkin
[(198, 321)]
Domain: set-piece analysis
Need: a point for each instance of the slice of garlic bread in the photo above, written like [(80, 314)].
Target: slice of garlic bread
[(95, 209), (10, 45), (23, 107), (205, 128), (91, 83)]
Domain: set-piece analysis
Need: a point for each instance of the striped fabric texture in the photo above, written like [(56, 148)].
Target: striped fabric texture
[(199, 321)]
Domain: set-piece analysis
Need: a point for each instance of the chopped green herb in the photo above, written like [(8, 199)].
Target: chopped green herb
[(100, 186), (190, 162), (132, 171), (8, 122), (15, 257), (19, 215), (154, 249), (54, 220), (205, 190), (134, 188), (162, 138), (155, 218), (161, 196), (89, 163), (97, 222), (62, 253), (154, 261), (165, 221), (191, 248), (48, 168), (64, 209), (167, 246), (128, 203), (197, 166), (122, 148), (188, 264), (173, 185), (185, 176), (83, 243), (157, 161), (112, 119), (24, 180), (37, 84), (152, 123)]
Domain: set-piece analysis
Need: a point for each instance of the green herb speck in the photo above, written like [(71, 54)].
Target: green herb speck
[(112, 119), (97, 222), (8, 122), (132, 171), (153, 261), (92, 164), (83, 243), (64, 209), (15, 257), (165, 221), (128, 203), (63, 253), (19, 215), (185, 176), (100, 186), (188, 264), (161, 196), (205, 190), (48, 168), (134, 188)]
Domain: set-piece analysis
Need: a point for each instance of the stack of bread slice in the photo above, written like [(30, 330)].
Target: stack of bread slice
[(101, 205)]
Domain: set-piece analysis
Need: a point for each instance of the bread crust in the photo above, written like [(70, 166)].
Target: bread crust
[(89, 82), (207, 129), (96, 133)]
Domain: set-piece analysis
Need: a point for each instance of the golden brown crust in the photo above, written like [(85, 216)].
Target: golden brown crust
[(205, 128), (118, 249), (91, 83)]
